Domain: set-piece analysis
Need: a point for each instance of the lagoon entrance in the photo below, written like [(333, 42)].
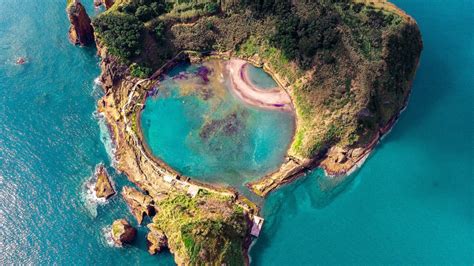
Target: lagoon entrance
[(197, 123)]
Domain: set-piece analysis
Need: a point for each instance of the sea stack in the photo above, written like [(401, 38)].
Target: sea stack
[(80, 31), (123, 232), (156, 239), (103, 186)]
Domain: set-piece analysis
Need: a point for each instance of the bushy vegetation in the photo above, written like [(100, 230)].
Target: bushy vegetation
[(139, 71), (121, 33), (207, 229), (341, 58)]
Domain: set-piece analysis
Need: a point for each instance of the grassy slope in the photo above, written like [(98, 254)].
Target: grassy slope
[(342, 95), (207, 229)]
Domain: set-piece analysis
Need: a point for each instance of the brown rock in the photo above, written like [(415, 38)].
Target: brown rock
[(341, 158), (139, 203), (357, 152), (107, 3), (123, 232), (103, 186), (156, 239), (80, 31)]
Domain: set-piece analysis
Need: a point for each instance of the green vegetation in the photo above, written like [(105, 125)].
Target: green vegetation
[(347, 64), (207, 229), (139, 71), (121, 33)]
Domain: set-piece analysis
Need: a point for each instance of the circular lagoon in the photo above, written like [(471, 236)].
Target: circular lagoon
[(204, 122)]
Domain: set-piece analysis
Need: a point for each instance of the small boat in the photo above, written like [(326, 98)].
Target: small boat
[(20, 61)]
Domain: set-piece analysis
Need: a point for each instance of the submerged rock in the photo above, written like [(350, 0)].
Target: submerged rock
[(103, 187), (156, 239), (123, 232), (139, 203), (80, 31)]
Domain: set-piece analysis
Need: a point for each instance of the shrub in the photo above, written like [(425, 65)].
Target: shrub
[(139, 71), (120, 32)]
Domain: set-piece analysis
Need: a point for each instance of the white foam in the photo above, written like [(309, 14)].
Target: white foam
[(106, 138), (89, 196), (107, 237)]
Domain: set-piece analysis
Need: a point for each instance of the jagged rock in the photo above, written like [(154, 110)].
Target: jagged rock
[(80, 31), (139, 203), (123, 232), (103, 186), (156, 239), (341, 158), (107, 3), (357, 152)]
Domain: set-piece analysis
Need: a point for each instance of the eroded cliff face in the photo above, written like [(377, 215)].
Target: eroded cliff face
[(107, 3), (80, 31)]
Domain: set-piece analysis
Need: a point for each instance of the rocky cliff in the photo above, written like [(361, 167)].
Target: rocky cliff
[(123, 232), (80, 31), (103, 187)]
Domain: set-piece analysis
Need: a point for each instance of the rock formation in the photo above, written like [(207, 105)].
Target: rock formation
[(139, 203), (123, 232), (103, 186), (156, 239), (107, 3), (80, 31)]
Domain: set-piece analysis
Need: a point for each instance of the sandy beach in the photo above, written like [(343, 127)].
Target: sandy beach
[(276, 98)]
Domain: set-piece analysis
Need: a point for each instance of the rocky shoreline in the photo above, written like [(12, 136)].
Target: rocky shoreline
[(182, 208)]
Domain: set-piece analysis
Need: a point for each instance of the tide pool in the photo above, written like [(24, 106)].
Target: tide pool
[(199, 128), (260, 78)]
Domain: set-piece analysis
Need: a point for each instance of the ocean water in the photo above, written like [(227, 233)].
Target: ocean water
[(202, 130), (50, 142), (411, 202)]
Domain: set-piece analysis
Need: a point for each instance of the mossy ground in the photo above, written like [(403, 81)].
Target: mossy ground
[(206, 229)]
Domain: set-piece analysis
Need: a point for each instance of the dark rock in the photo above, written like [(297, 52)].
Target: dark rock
[(80, 31), (156, 240), (123, 232)]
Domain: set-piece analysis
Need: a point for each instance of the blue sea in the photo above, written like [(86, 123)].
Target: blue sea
[(411, 203)]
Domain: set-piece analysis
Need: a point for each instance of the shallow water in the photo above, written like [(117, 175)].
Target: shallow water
[(260, 78), (412, 202), (197, 126)]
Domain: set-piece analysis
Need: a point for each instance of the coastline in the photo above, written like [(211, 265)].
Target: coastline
[(121, 106)]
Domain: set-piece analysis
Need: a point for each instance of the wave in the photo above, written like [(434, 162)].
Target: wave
[(107, 237), (106, 138)]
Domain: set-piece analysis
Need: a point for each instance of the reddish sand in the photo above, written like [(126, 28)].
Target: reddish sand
[(277, 98)]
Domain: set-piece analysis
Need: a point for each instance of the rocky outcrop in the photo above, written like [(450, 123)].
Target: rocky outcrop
[(80, 31), (107, 3), (139, 203), (156, 239), (103, 187), (123, 232)]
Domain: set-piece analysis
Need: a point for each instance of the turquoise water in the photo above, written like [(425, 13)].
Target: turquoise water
[(411, 203), (413, 200), (203, 131), (50, 142), (260, 78)]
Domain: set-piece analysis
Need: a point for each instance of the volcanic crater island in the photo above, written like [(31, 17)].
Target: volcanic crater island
[(211, 105)]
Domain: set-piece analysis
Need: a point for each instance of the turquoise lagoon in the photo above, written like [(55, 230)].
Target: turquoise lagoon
[(411, 203), (196, 125)]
